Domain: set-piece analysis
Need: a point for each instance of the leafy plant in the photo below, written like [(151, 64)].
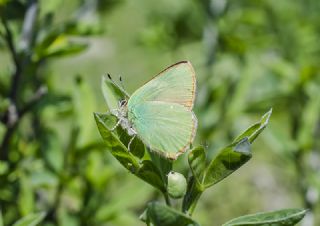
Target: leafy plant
[(42, 162), (144, 164)]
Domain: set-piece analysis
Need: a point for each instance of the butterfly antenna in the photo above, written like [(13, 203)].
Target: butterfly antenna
[(120, 86), (121, 82)]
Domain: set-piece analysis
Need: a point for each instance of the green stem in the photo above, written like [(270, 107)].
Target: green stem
[(192, 196), (167, 199), (194, 203)]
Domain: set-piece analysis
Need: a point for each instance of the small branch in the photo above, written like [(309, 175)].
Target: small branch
[(14, 117), (43, 90)]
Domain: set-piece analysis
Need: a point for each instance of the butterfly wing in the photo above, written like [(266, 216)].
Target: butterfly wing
[(168, 128), (176, 84), (161, 110), (112, 93)]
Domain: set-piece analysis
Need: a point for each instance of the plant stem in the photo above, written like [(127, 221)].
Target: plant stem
[(167, 199), (192, 196)]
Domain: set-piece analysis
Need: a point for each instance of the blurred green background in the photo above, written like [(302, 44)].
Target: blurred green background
[(249, 56)]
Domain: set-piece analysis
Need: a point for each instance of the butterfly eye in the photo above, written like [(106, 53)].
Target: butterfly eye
[(122, 103)]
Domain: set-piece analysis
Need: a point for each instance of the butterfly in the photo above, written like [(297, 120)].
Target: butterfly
[(160, 112)]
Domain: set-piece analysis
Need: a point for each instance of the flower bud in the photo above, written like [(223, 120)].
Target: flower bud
[(177, 185)]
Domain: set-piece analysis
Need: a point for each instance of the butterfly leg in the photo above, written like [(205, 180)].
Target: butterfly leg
[(116, 125), (134, 136)]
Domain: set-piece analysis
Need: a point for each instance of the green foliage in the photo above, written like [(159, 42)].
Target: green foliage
[(225, 162), (285, 217), (50, 158), (248, 56), (204, 176)]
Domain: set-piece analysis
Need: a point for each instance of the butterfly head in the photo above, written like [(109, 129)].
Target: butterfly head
[(123, 103)]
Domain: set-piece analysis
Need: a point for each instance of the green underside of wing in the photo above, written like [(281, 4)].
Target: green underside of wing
[(163, 127), (174, 85)]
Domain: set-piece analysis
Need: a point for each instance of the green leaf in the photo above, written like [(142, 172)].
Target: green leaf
[(163, 164), (31, 219), (228, 160), (137, 148), (112, 93), (197, 163), (56, 44), (161, 215), (253, 131), (149, 173), (116, 147), (234, 155), (146, 170), (285, 217), (223, 164)]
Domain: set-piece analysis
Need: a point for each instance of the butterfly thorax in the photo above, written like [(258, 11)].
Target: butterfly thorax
[(122, 114)]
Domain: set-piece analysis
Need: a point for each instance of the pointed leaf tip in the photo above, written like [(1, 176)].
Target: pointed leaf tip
[(254, 130), (265, 118)]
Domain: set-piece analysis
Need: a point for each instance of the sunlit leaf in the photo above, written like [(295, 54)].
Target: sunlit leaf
[(31, 219), (285, 217), (253, 131), (228, 160)]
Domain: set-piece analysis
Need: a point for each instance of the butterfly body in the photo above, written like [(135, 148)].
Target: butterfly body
[(160, 112), (122, 114)]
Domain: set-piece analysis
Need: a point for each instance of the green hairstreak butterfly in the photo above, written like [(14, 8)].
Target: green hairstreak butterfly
[(160, 112)]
